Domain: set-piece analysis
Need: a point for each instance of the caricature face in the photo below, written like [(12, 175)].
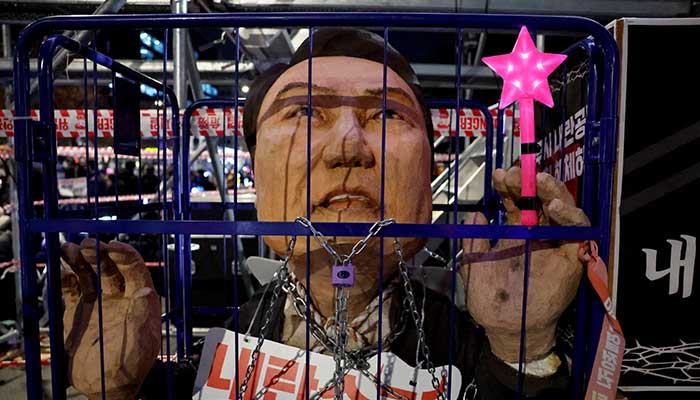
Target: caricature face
[(346, 148)]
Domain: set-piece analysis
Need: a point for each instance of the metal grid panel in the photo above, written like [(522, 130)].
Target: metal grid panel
[(35, 142)]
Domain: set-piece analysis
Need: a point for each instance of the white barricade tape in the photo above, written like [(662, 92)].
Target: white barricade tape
[(214, 122), (471, 122)]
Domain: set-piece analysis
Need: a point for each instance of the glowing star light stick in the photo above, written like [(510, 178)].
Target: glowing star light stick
[(524, 72)]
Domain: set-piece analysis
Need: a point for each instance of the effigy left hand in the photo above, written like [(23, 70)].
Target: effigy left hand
[(493, 276)]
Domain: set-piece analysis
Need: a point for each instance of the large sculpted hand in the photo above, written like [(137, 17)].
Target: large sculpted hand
[(130, 312), (494, 276)]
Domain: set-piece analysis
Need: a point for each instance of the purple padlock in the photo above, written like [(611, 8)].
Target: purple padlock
[(343, 275)]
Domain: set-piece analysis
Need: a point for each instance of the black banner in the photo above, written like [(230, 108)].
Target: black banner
[(658, 293)]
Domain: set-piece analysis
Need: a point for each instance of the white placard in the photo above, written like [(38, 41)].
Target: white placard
[(216, 378)]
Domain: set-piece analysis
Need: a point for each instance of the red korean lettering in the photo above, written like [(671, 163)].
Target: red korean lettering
[(351, 389), (62, 124), (433, 394), (213, 121), (313, 383), (243, 362), (398, 394), (280, 377), (215, 380), (330, 393)]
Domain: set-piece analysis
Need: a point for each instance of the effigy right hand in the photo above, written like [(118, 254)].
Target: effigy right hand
[(131, 328)]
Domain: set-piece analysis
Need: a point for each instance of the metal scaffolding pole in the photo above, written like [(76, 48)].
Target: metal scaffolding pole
[(217, 168), (477, 59), (11, 172), (7, 53), (179, 40)]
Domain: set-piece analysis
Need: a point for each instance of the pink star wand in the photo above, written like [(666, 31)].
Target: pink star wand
[(524, 72)]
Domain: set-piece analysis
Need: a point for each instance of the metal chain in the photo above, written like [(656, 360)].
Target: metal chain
[(282, 276), (373, 231), (341, 296), (365, 372), (417, 318), (341, 309), (320, 239), (275, 379), (434, 255), (356, 249), (319, 332), (471, 390), (356, 359)]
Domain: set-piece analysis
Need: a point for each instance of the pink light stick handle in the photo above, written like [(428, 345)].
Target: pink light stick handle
[(528, 197)]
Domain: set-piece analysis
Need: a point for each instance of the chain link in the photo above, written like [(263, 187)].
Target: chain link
[(356, 249), (373, 231), (355, 359), (318, 331), (341, 296), (436, 256), (345, 360), (276, 378), (417, 318), (320, 239), (364, 370), (341, 309), (471, 390)]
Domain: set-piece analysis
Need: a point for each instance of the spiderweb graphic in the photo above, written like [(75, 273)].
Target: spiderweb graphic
[(576, 72), (678, 364)]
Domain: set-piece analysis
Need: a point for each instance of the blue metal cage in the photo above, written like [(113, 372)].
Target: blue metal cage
[(36, 143)]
